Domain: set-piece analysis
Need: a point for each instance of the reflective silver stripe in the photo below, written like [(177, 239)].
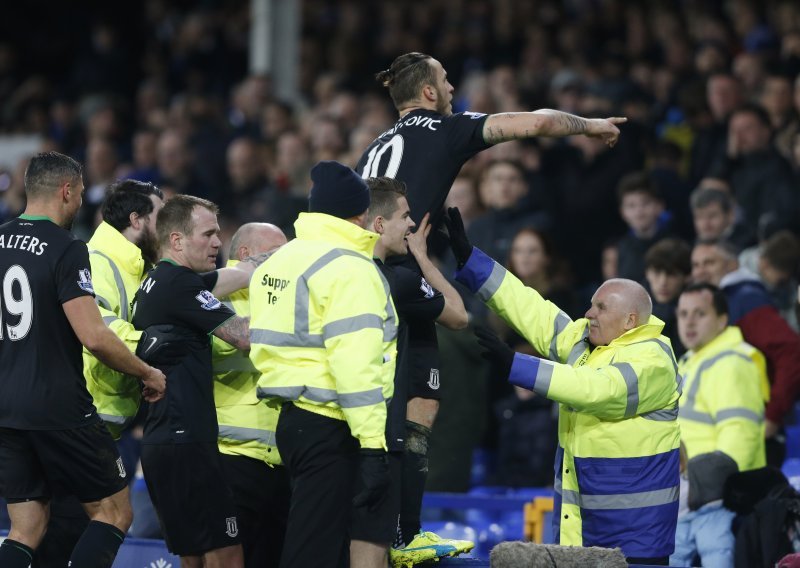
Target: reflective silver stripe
[(745, 413), (689, 413), (544, 374), (123, 295), (570, 497), (320, 395), (102, 302), (623, 501), (560, 323), (579, 348), (352, 324), (632, 384), (109, 319), (288, 393), (492, 283), (301, 336), (114, 419), (391, 324), (266, 437), (687, 409), (284, 339), (363, 398), (557, 485), (663, 415)]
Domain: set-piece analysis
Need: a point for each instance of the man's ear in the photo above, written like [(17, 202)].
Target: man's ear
[(176, 240), (135, 220), (429, 92), (377, 225), (632, 321), (65, 191)]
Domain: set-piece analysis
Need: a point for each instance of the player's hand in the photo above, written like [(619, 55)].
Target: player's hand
[(605, 129), (373, 469), (155, 385), (495, 351), (457, 236), (418, 240)]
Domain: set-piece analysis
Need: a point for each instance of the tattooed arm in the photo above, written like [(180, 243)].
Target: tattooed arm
[(237, 277), (546, 122), (235, 331)]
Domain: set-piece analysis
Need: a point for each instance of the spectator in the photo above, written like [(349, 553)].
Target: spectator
[(761, 179), (642, 208), (668, 266), (715, 218), (724, 94), (175, 165), (502, 186), (749, 308), (778, 262)]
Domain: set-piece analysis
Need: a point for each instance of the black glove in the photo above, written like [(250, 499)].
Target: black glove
[(458, 236), (373, 467), (496, 351), (165, 345)]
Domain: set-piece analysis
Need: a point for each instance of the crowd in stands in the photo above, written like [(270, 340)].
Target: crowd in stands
[(711, 148)]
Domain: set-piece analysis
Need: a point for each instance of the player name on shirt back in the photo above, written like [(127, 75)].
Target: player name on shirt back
[(23, 242)]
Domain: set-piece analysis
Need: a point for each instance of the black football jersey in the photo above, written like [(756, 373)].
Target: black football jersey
[(42, 266), (425, 150), (178, 296), (415, 300)]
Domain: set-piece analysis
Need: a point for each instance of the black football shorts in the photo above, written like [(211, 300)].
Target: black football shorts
[(36, 464), (189, 491)]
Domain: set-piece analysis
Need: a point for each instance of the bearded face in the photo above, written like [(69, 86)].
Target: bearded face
[(148, 244)]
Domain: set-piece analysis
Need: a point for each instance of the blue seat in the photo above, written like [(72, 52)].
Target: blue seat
[(791, 469)]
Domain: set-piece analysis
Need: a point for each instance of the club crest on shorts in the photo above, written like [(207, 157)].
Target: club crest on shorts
[(208, 301), (85, 280), (121, 468), (231, 527), (433, 380)]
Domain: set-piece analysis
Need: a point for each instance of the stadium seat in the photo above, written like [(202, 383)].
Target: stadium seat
[(791, 469)]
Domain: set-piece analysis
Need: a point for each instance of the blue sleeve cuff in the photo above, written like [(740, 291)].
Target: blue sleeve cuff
[(524, 370), (476, 271)]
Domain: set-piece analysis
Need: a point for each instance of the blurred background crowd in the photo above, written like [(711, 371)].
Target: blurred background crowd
[(160, 91)]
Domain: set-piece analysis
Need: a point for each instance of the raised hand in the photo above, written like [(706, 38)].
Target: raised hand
[(605, 129), (458, 236)]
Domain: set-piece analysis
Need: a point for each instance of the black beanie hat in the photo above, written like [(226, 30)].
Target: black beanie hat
[(337, 191)]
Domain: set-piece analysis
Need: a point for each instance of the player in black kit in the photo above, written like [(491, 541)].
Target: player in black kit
[(428, 298), (52, 441), (425, 149), (177, 308)]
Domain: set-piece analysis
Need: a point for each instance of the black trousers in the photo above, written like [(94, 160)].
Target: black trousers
[(321, 457), (261, 494)]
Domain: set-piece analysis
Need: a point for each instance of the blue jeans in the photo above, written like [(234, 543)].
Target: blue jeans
[(707, 533)]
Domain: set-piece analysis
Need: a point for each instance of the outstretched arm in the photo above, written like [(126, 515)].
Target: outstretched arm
[(234, 278), (547, 122)]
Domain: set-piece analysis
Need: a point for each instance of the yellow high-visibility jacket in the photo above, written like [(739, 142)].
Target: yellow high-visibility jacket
[(722, 406), (323, 326), (246, 424), (117, 271), (617, 465)]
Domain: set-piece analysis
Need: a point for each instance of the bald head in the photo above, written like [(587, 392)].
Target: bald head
[(633, 296), (255, 238), (618, 306)]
